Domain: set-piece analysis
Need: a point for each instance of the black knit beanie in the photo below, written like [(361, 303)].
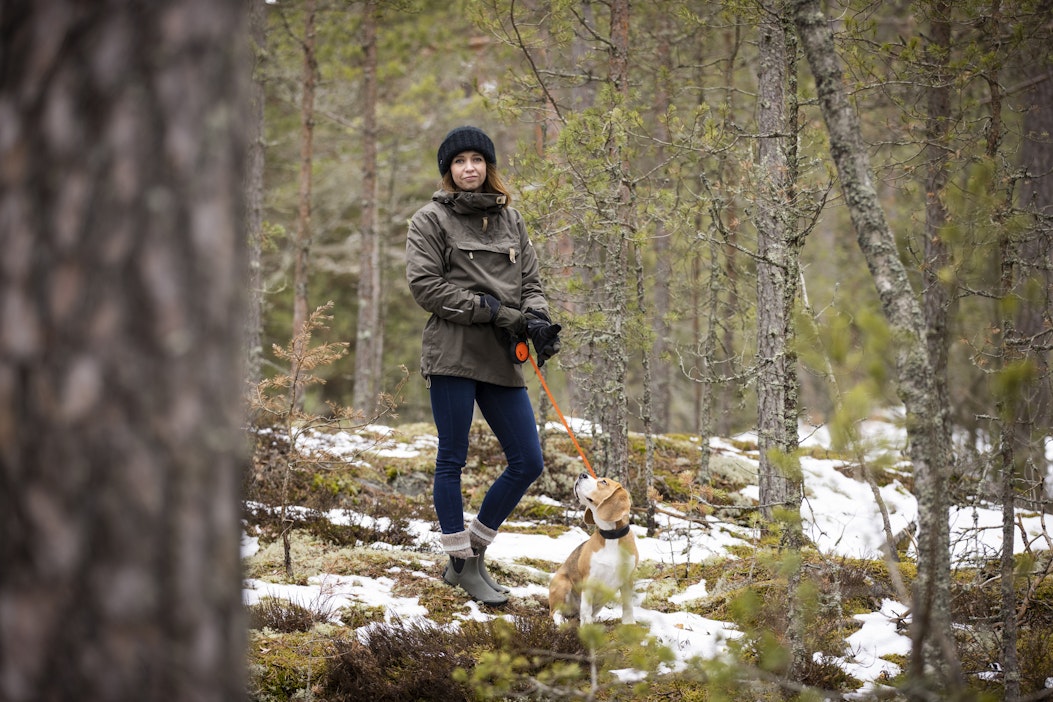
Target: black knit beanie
[(464, 139)]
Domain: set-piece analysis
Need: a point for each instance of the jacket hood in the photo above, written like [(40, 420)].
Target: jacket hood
[(464, 202)]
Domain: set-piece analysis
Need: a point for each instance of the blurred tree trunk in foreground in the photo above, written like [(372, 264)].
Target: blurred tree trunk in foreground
[(122, 144)]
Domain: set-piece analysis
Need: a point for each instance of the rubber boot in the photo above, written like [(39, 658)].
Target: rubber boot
[(464, 573), (486, 574)]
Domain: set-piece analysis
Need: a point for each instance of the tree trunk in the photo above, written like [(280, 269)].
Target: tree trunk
[(254, 197), (937, 297), (122, 280), (645, 483), (726, 299), (1025, 324), (301, 308), (931, 633), (615, 354), (663, 273), (369, 336), (1007, 458), (1012, 447), (779, 471), (776, 489), (1035, 312)]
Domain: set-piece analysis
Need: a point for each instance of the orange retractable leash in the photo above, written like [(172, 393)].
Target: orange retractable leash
[(522, 354)]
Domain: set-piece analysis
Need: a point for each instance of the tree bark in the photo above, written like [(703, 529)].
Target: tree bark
[(121, 363), (776, 490), (369, 336), (936, 295), (931, 633), (254, 196), (1012, 447), (301, 306), (614, 354), (1034, 319), (777, 266), (663, 273)]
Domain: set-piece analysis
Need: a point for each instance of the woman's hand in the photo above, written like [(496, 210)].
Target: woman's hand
[(504, 316), (544, 334)]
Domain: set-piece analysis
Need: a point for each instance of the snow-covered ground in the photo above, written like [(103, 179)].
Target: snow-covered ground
[(840, 515)]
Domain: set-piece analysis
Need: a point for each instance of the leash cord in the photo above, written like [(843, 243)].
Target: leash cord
[(562, 418)]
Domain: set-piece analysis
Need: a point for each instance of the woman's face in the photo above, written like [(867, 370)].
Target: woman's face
[(468, 169)]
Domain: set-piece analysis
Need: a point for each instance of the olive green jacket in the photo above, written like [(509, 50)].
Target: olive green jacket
[(459, 245)]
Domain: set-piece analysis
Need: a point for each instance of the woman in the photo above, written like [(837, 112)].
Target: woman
[(470, 264)]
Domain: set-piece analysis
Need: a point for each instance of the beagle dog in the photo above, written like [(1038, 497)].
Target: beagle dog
[(603, 564)]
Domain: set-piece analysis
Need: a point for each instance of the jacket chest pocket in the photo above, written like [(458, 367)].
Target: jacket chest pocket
[(495, 268), (490, 253), (496, 245)]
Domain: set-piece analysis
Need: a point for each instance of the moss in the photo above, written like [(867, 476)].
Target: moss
[(744, 446), (281, 665), (539, 563), (676, 488), (553, 530), (336, 483), (359, 615), (538, 511)]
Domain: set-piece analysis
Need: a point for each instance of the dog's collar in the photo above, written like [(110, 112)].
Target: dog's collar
[(614, 533)]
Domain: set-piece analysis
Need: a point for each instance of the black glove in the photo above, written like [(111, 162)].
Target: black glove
[(504, 316), (544, 334)]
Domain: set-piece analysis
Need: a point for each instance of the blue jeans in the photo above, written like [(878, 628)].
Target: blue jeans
[(511, 417)]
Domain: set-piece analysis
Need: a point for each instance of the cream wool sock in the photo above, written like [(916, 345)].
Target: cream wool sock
[(481, 535), (458, 545)]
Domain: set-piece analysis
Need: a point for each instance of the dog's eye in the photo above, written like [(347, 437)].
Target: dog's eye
[(603, 482)]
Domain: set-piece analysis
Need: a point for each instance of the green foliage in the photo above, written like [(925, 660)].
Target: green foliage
[(1015, 378), (787, 464)]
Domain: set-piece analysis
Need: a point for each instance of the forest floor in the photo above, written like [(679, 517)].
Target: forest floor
[(360, 610)]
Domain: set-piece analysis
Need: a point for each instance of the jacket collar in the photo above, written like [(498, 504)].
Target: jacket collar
[(471, 203)]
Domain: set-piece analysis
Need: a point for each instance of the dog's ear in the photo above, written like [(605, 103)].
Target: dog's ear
[(587, 517), (616, 506)]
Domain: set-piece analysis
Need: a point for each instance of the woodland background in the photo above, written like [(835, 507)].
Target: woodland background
[(749, 213), (641, 184)]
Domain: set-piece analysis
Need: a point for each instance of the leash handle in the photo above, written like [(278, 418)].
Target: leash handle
[(556, 406)]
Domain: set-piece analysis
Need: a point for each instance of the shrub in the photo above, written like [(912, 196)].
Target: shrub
[(398, 661), (285, 616)]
